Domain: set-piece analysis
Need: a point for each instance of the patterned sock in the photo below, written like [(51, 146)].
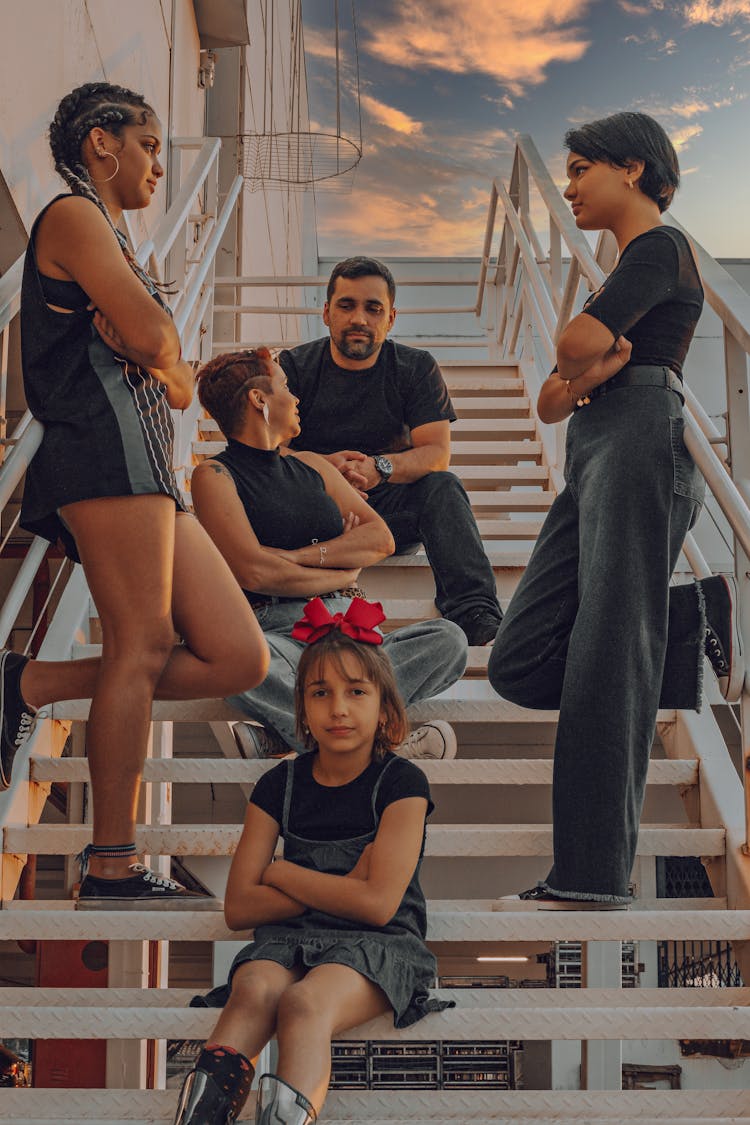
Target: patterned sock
[(231, 1071)]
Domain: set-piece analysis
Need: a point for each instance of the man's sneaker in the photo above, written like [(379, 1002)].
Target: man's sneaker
[(16, 717), (435, 740), (723, 638), (540, 899), (480, 627), (254, 741), (143, 890)]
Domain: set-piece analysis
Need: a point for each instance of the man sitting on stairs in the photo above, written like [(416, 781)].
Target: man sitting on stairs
[(380, 413), (292, 528)]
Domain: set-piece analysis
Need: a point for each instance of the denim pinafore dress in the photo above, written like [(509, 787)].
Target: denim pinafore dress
[(393, 956)]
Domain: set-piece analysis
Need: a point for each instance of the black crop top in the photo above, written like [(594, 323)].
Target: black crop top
[(285, 500), (63, 294), (654, 297)]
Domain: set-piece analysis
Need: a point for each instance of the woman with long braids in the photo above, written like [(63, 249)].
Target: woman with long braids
[(594, 627), (102, 367)]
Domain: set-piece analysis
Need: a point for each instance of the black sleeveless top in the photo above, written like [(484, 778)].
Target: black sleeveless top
[(108, 428), (285, 500)]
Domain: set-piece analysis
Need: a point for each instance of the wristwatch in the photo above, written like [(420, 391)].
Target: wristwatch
[(384, 465)]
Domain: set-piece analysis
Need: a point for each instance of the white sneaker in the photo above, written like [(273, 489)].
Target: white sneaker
[(254, 741), (435, 740)]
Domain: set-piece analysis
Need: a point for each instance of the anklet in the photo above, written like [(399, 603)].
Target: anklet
[(104, 851)]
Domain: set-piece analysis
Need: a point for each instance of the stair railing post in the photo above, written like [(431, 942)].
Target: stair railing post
[(738, 444), (601, 1059)]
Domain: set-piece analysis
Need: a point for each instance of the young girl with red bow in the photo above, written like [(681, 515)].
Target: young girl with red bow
[(340, 921)]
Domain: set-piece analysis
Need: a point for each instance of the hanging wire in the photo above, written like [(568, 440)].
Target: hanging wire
[(297, 157)]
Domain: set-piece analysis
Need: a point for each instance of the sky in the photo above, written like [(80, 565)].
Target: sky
[(445, 87)]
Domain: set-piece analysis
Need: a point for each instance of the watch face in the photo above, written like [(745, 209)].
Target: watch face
[(384, 466)]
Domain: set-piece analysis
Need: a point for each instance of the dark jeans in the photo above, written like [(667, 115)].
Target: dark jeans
[(435, 511), (595, 629)]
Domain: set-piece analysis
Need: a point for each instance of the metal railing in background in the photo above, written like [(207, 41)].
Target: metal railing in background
[(534, 299), (181, 252)]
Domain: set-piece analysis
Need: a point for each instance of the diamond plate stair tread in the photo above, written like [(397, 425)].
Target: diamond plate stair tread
[(543, 1107), (460, 771), (467, 921), (442, 840), (501, 999), (499, 1022), (467, 701)]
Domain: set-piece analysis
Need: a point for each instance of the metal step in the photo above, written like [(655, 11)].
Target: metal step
[(468, 701), (478, 771), (466, 840), (418, 1107), (467, 921), (542, 1014)]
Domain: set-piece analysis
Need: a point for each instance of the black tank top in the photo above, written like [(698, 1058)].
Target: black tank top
[(285, 500)]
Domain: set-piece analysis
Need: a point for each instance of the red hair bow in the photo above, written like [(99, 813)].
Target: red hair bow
[(358, 622)]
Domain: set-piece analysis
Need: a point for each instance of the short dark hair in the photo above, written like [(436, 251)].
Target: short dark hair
[(362, 267), (223, 378), (624, 137), (375, 667)]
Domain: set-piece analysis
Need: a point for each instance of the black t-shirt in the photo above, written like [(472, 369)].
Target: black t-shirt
[(654, 297), (324, 812), (285, 499), (373, 411)]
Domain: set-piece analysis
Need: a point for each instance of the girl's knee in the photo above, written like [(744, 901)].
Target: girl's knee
[(250, 989), (141, 652), (300, 1004)]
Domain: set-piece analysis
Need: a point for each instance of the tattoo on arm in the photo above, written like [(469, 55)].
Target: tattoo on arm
[(218, 468)]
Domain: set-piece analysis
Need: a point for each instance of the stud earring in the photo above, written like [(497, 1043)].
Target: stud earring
[(101, 155)]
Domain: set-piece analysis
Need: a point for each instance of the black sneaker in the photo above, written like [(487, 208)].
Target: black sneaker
[(539, 898), (143, 890), (16, 717), (723, 638), (480, 627)]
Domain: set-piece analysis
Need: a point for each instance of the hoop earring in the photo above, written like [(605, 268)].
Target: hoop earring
[(266, 413), (117, 168)]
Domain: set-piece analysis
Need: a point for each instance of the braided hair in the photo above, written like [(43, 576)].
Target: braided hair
[(111, 108)]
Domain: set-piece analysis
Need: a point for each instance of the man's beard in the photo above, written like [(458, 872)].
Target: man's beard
[(356, 349)]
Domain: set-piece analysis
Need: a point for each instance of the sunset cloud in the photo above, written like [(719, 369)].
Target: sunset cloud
[(391, 117), (681, 138), (716, 12), (513, 43)]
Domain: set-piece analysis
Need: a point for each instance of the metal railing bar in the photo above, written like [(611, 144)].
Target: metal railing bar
[(20, 587), (296, 281), (563, 218), (170, 224), (311, 310), (14, 524), (20, 457), (10, 292), (725, 491), (53, 586), (486, 248), (543, 300), (212, 246)]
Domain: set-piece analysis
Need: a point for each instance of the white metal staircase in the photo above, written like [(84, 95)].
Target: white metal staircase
[(491, 832)]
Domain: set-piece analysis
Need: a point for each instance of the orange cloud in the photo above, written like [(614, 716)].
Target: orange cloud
[(513, 43), (716, 12), (391, 117), (682, 137)]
